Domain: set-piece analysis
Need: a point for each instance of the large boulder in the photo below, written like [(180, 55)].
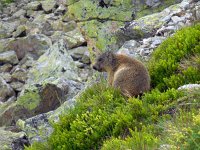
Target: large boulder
[(52, 80)]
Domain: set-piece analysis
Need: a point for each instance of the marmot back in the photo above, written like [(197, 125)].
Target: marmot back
[(125, 73)]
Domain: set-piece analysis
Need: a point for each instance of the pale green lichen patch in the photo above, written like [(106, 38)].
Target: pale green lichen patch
[(101, 33), (29, 100), (87, 10)]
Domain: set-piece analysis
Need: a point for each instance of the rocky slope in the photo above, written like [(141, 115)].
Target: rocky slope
[(45, 47)]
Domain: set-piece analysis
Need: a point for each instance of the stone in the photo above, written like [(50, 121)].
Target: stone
[(36, 5), (19, 13), (176, 19), (5, 90), (33, 44), (20, 32), (85, 60), (189, 87), (47, 29), (19, 74), (37, 128), (65, 27), (185, 5), (8, 140), (9, 57), (72, 39), (6, 76), (60, 10), (7, 28), (132, 44), (78, 53), (48, 5), (197, 11), (5, 68), (17, 86)]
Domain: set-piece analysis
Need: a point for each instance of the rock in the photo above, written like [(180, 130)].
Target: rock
[(38, 128), (20, 32), (189, 87), (47, 29), (79, 52), (176, 19), (85, 60), (4, 44), (19, 13), (197, 11), (5, 90), (60, 10), (6, 28), (65, 27), (48, 6), (19, 74), (5, 68), (33, 44), (36, 5), (17, 86), (6, 76), (20, 143), (72, 39), (8, 57), (8, 140)]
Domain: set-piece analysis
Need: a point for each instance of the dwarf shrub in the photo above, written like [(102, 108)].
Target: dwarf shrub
[(102, 113), (165, 62)]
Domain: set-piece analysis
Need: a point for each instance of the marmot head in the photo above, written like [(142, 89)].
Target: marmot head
[(104, 62)]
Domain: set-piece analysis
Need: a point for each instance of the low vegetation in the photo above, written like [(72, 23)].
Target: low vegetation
[(162, 118)]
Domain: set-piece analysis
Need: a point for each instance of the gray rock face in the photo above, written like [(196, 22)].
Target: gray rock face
[(9, 57)]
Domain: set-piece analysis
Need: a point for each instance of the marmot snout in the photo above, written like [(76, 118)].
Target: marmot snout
[(125, 73)]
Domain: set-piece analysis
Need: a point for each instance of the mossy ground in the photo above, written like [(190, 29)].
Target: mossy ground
[(164, 117)]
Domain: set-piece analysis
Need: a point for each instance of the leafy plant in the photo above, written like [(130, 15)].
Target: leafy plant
[(164, 65)]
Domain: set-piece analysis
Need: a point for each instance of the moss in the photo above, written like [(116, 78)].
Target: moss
[(30, 100)]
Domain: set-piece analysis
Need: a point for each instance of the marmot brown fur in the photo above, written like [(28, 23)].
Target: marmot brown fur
[(125, 73)]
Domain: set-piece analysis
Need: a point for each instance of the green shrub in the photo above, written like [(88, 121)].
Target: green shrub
[(102, 113), (164, 66), (6, 1), (138, 140)]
